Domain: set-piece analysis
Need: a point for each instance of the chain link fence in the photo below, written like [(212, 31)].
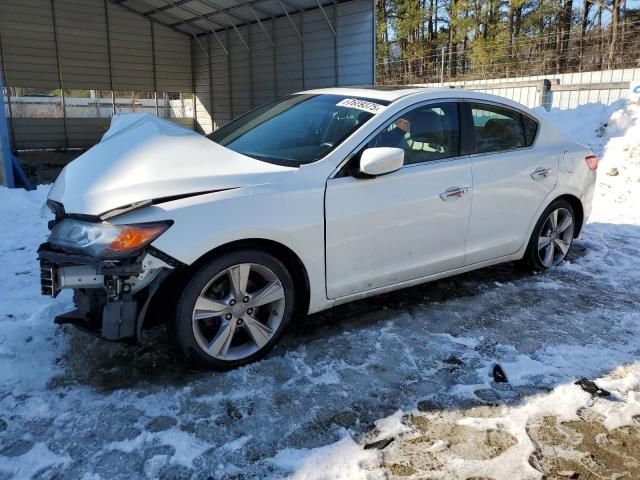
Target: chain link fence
[(542, 55)]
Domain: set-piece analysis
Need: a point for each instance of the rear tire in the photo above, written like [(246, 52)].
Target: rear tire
[(551, 238), (234, 309)]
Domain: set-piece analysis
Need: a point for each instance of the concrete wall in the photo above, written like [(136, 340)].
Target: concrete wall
[(564, 91)]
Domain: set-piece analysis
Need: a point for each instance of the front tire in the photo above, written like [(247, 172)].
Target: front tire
[(552, 237), (234, 309)]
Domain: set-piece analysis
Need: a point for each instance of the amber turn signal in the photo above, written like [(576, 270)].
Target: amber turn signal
[(135, 236)]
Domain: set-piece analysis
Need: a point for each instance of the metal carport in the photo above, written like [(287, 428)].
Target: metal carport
[(68, 65)]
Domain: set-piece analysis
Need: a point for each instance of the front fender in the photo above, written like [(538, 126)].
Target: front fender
[(294, 219)]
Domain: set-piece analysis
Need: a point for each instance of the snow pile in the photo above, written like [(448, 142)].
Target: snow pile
[(25, 347), (344, 460)]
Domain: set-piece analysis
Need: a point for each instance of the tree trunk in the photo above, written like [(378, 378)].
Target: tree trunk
[(614, 33), (430, 36), (510, 26), (601, 31), (584, 21), (564, 31), (453, 50)]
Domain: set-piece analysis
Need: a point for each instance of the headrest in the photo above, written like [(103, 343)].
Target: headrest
[(363, 117), (426, 125), (496, 126)]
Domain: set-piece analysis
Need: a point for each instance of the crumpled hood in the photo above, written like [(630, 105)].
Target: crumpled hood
[(142, 157)]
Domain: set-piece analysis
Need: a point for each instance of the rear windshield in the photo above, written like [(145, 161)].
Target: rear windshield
[(297, 129)]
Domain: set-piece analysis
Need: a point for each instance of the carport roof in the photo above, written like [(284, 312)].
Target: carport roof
[(197, 17)]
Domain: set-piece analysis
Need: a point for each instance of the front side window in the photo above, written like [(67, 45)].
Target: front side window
[(497, 128), (430, 132), (297, 129)]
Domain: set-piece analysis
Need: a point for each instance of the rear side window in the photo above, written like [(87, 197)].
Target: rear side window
[(497, 128), (530, 129)]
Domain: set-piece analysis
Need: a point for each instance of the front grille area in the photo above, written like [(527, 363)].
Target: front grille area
[(48, 279)]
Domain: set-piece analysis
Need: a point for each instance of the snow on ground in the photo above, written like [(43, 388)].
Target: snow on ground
[(76, 407)]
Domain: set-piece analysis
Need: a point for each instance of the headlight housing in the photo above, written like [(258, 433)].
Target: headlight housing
[(104, 240)]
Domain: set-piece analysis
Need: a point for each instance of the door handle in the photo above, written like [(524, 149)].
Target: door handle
[(540, 173), (453, 193)]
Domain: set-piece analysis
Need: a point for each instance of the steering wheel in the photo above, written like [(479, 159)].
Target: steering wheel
[(325, 146)]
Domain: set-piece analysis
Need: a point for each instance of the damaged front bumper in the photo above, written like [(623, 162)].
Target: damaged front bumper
[(111, 296)]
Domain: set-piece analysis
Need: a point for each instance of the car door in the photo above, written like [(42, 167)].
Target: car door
[(407, 224), (511, 178)]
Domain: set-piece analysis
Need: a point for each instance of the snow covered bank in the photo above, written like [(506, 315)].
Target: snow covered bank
[(79, 408)]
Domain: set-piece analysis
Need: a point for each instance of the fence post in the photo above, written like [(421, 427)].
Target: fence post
[(6, 155), (444, 49), (544, 91)]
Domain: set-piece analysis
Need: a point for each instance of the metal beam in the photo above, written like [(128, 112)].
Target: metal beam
[(60, 79), (326, 18), (240, 37), (139, 13), (226, 52), (175, 4), (261, 25), (227, 10), (219, 8), (162, 9), (293, 24), (193, 33), (110, 56), (232, 24)]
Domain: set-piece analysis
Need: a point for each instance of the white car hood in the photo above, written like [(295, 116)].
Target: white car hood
[(142, 157)]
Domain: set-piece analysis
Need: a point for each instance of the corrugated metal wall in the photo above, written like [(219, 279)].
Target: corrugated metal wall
[(85, 44), (296, 53), (97, 45)]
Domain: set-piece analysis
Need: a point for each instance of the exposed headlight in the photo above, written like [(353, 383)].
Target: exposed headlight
[(104, 239)]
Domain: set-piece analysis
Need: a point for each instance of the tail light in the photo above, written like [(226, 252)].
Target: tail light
[(592, 161)]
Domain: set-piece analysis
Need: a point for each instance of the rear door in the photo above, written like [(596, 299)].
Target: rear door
[(410, 223), (512, 175)]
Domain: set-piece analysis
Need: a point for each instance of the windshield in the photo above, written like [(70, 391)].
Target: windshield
[(297, 129)]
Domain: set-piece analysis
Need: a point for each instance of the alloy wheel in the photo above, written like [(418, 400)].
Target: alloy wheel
[(238, 311), (555, 237)]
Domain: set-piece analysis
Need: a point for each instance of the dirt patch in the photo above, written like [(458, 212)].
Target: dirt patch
[(582, 449), (462, 441), (437, 438), (401, 470), (587, 448)]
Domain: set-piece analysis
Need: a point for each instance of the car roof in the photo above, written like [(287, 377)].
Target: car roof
[(393, 93), (388, 93)]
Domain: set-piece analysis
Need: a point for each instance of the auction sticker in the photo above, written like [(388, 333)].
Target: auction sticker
[(364, 105)]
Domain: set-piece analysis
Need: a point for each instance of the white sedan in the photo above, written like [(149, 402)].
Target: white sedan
[(310, 201)]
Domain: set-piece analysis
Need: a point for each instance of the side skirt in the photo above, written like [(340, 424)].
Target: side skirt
[(429, 278)]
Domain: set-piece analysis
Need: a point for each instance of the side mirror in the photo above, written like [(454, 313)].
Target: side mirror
[(381, 160)]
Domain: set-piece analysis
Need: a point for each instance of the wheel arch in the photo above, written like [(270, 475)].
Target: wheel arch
[(578, 210), (169, 291)]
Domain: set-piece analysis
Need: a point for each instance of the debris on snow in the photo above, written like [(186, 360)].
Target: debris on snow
[(498, 374), (379, 444), (589, 386)]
